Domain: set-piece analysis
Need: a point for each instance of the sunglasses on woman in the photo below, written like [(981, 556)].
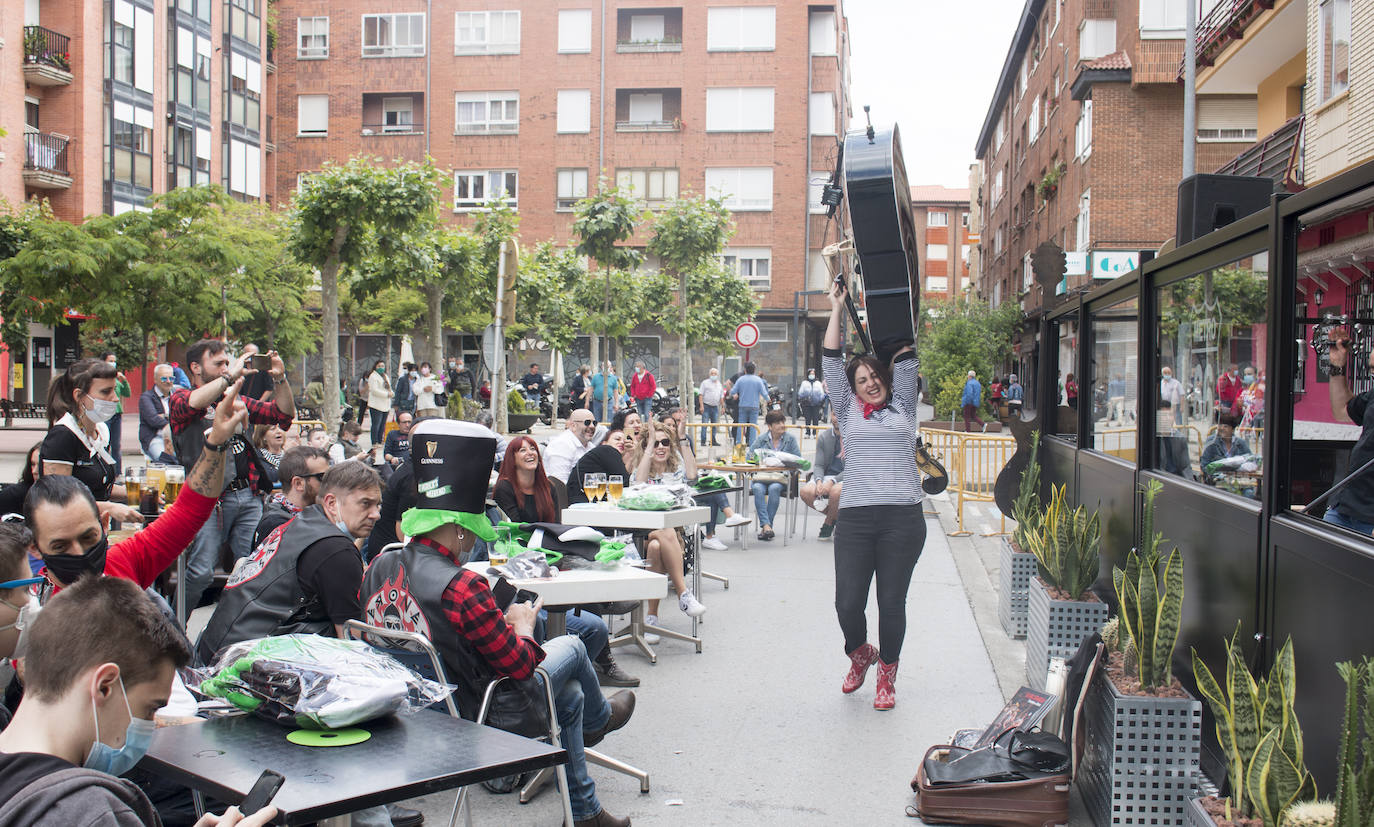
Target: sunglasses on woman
[(664, 443)]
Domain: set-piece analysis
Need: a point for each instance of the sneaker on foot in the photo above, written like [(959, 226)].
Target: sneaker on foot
[(714, 544), (690, 605), (737, 519), (827, 529), (649, 637)]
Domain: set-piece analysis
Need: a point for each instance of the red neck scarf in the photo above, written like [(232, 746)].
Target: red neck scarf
[(869, 410)]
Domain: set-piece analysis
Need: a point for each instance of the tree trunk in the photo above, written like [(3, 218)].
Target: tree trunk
[(329, 328), (434, 298), (606, 409), (684, 362)]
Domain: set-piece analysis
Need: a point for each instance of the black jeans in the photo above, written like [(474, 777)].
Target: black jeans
[(881, 540)]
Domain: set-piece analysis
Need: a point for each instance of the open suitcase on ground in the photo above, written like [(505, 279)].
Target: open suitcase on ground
[(1039, 800)]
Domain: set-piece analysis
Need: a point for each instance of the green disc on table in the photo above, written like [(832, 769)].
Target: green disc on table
[(328, 737)]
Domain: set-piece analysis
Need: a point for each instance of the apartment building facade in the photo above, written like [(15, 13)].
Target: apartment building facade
[(107, 104), (533, 103), (942, 236)]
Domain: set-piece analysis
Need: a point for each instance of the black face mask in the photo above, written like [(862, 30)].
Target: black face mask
[(68, 568)]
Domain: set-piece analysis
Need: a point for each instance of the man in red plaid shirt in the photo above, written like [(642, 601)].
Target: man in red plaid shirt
[(239, 509), (424, 588)]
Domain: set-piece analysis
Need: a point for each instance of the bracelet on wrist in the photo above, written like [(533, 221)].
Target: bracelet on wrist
[(1333, 370), (218, 449)]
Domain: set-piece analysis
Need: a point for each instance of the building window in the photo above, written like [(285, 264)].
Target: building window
[(312, 38), (486, 33), (1083, 238), (131, 142), (312, 114), (393, 35), (480, 113), (1227, 119), (1096, 38), (123, 48), (997, 239), (1033, 122), (245, 91), (653, 187), (574, 31), (574, 110), (475, 189), (937, 284), (191, 77), (741, 188), (963, 220), (823, 33), (753, 264), (822, 113), (815, 188), (1334, 48), (398, 114), (244, 21), (735, 110), (572, 187), (1162, 19), (937, 219), (245, 169), (740, 29), (772, 331), (997, 184), (1083, 132), (646, 28), (937, 252)]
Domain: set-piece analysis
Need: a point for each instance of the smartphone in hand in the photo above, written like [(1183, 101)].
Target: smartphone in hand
[(261, 362), (262, 793)]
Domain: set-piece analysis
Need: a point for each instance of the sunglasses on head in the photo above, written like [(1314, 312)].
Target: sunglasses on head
[(664, 443)]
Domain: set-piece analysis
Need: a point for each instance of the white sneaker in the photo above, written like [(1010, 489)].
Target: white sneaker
[(690, 605), (738, 519), (713, 544), (649, 637)]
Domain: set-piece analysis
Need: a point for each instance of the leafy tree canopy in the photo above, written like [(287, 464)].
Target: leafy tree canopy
[(960, 335)]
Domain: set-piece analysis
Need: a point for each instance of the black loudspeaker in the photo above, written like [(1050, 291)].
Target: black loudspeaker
[(1210, 202)]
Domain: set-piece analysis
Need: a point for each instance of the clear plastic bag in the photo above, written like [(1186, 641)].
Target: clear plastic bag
[(314, 682), (645, 497)]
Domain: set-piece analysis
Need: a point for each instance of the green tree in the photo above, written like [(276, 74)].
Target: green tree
[(264, 298), (346, 214), (548, 302), (960, 335), (602, 222)]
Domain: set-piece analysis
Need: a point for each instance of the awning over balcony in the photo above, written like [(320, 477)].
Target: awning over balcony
[(1277, 156)]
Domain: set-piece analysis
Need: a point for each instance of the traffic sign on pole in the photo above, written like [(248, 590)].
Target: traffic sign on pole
[(747, 335)]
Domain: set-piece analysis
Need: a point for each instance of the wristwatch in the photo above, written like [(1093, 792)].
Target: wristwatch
[(279, 380), (1332, 370), (218, 449)]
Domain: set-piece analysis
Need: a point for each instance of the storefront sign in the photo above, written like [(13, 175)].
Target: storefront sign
[(1075, 264), (1108, 264)]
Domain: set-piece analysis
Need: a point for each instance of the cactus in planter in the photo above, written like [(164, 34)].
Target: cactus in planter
[(1067, 546), (1311, 814), (1026, 510), (1259, 733), (1355, 765), (1151, 600)]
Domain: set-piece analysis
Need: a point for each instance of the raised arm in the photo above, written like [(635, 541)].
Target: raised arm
[(689, 460), (832, 358), (904, 370)]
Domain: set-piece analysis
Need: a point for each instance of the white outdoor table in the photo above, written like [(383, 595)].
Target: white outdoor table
[(604, 516)]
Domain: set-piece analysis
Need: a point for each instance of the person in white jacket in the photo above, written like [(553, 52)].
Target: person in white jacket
[(379, 395)]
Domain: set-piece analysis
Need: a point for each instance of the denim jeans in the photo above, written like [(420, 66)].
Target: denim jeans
[(234, 520), (586, 626), (156, 451), (378, 425), (597, 410), (581, 708), (1335, 517), (766, 498), (749, 416), (718, 503), (645, 407), (709, 413), (883, 541)]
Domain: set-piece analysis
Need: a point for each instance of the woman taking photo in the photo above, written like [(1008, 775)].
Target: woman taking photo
[(77, 445), (523, 491), (658, 458), (880, 530)]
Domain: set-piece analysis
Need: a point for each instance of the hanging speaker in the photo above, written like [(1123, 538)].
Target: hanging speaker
[(1210, 202)]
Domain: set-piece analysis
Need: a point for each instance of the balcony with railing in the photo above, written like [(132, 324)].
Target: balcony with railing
[(1230, 21), (1277, 156), (47, 57), (648, 30), (648, 110), (45, 161)]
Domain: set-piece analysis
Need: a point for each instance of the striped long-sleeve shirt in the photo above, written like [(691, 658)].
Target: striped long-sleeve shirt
[(879, 452)]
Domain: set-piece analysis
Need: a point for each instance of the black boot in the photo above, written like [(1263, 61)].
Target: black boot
[(609, 673)]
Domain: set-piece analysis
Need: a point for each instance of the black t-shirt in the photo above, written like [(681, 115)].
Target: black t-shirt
[(532, 382), (603, 459), (1356, 500), (331, 570), (521, 509), (399, 496), (61, 445), (20, 769), (397, 445)]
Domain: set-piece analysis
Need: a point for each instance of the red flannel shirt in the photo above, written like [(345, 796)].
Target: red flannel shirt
[(183, 416), (469, 606)]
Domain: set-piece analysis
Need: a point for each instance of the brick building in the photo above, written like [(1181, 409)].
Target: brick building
[(1082, 143), (108, 103), (747, 99), (942, 236), (975, 227)]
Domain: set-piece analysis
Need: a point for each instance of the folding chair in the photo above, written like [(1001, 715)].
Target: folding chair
[(424, 658)]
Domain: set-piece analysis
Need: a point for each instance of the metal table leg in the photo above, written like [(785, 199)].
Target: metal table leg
[(634, 633)]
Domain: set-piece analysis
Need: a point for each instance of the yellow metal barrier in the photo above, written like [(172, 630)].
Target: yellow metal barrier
[(973, 461)]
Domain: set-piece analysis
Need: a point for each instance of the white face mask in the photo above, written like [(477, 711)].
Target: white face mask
[(101, 410)]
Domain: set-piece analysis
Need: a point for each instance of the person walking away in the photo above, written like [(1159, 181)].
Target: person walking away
[(708, 403), (116, 423), (812, 398), (752, 395), (642, 387), (881, 530), (239, 509), (379, 394), (603, 393), (578, 388), (1016, 396), (1116, 399), (995, 397), (972, 398)]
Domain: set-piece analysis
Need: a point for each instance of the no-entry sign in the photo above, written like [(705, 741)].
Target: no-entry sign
[(747, 335)]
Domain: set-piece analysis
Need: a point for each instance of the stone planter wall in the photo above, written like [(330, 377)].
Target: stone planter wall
[(1017, 569), (1140, 767), (1055, 629)]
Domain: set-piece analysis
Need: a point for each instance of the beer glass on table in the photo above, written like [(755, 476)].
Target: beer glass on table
[(594, 486), (173, 478), (133, 484), (615, 485)]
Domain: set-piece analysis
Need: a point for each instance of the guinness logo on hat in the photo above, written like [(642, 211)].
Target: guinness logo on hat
[(430, 446)]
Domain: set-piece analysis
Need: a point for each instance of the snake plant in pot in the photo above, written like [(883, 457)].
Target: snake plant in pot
[(1017, 562), (1060, 609)]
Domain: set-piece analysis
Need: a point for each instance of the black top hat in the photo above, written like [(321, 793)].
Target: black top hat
[(452, 463)]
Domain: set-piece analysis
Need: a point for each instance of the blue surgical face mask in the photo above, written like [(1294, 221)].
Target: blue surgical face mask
[(138, 736)]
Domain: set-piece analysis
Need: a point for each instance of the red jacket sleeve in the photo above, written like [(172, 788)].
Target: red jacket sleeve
[(144, 556)]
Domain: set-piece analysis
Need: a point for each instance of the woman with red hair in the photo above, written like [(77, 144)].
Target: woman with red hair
[(523, 490)]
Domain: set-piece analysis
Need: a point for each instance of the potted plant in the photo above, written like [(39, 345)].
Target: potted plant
[(1144, 731), (1259, 734), (1060, 611), (1048, 184), (1355, 761), (519, 416), (1018, 563)]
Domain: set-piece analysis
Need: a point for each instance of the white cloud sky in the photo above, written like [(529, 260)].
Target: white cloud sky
[(930, 66)]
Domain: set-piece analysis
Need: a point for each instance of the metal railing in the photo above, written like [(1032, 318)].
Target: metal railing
[(1224, 23), (973, 462), (633, 46), (1277, 156), (45, 152), (393, 129), (43, 45), (674, 125)]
